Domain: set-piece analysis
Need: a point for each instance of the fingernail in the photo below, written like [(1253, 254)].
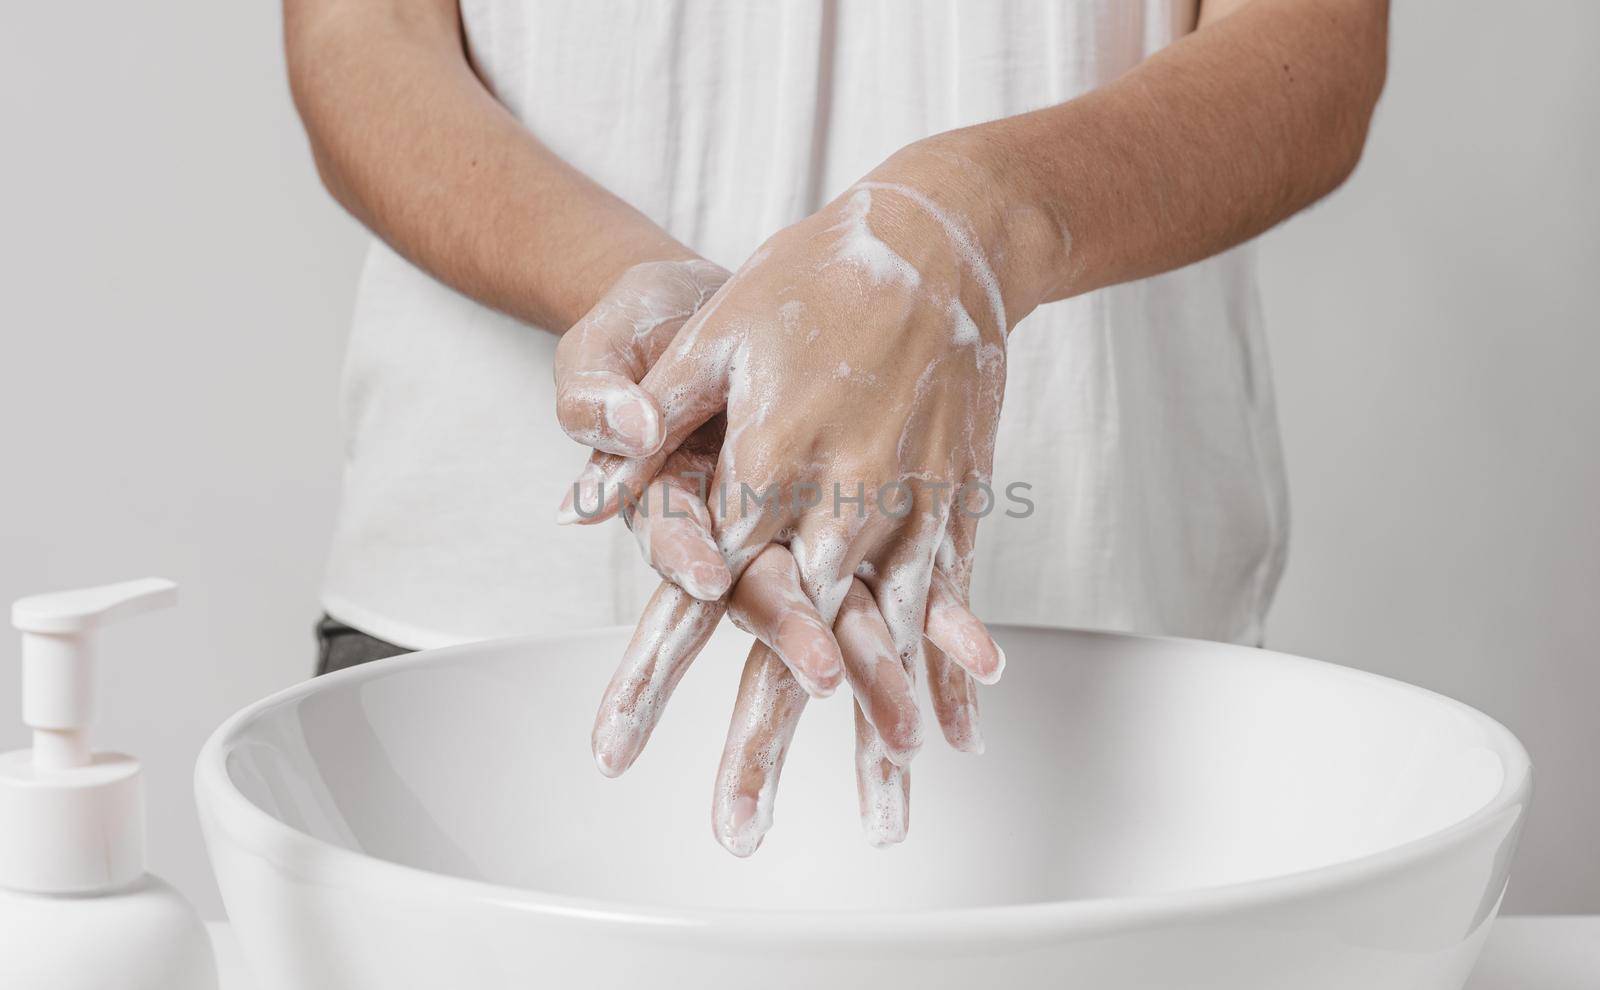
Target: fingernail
[(911, 741), (999, 665), (584, 499), (902, 756), (884, 815), (742, 832), (824, 667), (612, 752), (971, 645), (809, 654), (984, 651), (706, 581), (603, 760), (634, 423)]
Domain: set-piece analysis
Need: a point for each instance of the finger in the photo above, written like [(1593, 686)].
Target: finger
[(607, 411), (903, 568), (955, 702), (900, 587), (762, 481), (960, 635), (884, 689), (746, 519), (602, 357), (675, 536), (764, 719), (672, 524), (883, 788), (769, 603), (953, 691), (956, 552), (691, 385), (827, 547), (608, 483), (671, 632), (586, 500)]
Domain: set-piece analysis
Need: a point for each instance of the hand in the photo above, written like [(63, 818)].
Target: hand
[(861, 351), (599, 404), (860, 356), (768, 602)]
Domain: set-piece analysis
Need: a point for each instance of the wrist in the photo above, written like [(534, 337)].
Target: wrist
[(686, 265), (981, 184), (595, 266), (644, 245)]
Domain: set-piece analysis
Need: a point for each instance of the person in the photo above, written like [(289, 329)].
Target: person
[(935, 212)]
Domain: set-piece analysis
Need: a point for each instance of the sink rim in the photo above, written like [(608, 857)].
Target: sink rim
[(223, 806)]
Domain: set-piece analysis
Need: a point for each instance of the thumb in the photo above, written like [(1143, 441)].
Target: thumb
[(693, 378), (600, 361)]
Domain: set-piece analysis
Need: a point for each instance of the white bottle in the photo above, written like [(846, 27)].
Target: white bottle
[(77, 909)]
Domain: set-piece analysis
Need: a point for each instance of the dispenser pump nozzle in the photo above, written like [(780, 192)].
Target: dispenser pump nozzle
[(58, 660), (71, 821)]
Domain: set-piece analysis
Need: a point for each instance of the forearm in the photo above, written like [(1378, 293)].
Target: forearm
[(408, 140), (1204, 145)]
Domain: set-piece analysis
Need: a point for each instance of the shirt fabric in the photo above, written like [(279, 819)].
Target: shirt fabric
[(1141, 415)]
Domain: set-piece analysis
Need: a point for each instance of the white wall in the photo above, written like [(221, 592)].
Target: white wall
[(176, 288), (1434, 330)]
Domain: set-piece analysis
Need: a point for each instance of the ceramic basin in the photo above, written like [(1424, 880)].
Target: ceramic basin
[(1149, 813)]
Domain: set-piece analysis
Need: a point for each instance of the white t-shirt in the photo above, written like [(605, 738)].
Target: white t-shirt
[(1140, 415)]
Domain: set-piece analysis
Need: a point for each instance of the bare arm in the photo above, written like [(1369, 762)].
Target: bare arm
[(1257, 114), (906, 288), (408, 140)]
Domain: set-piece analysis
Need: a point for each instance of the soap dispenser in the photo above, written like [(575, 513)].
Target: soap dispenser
[(77, 909)]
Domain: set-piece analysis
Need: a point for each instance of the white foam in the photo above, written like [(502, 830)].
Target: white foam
[(966, 332), (962, 239), (860, 247)]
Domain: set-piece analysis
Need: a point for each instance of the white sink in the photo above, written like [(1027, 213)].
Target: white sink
[(1150, 813)]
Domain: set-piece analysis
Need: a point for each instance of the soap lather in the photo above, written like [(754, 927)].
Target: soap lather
[(76, 905)]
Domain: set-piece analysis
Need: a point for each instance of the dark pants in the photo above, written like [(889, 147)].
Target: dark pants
[(339, 646)]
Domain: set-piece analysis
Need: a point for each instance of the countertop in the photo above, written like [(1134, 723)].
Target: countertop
[(1524, 953)]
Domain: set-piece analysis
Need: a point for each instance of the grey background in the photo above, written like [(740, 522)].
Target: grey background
[(176, 288)]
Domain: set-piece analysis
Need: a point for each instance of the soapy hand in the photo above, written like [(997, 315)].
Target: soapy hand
[(860, 358), (768, 602), (599, 403)]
